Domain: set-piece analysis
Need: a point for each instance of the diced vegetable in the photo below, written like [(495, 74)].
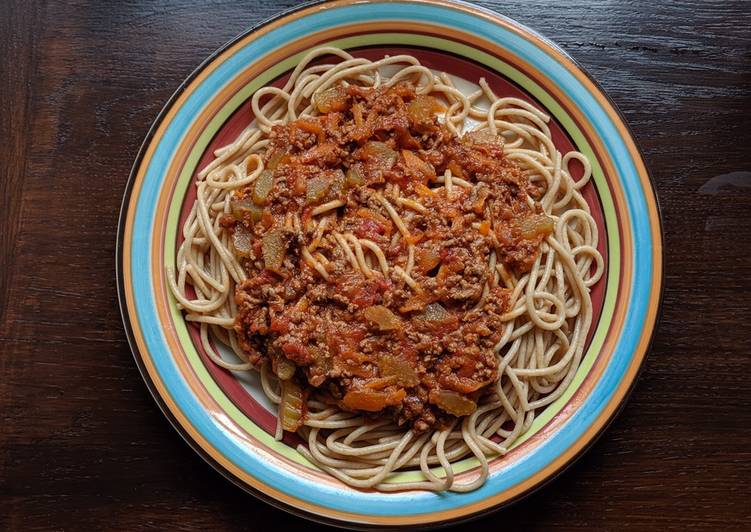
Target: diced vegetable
[(483, 136), (241, 240), (356, 369), (354, 177), (463, 383), (485, 228), (244, 209), (434, 316), (263, 185), (426, 259), (285, 369), (372, 401), (337, 185), (415, 238), (380, 383), (273, 249), (292, 409), (331, 100), (277, 159), (535, 225), (436, 312), (267, 219), (379, 154), (310, 126), (300, 184), (419, 168), (392, 366), (416, 302), (322, 153), (382, 318), (422, 109), (453, 403), (316, 189)]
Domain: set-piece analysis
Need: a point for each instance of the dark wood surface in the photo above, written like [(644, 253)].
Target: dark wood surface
[(84, 446)]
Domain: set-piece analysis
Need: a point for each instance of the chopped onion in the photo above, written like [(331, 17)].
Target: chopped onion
[(536, 225), (243, 209), (338, 183), (241, 240), (379, 154), (354, 177), (285, 369), (416, 302), (426, 260), (419, 168), (434, 316), (273, 248), (382, 318), (453, 403), (276, 160), (436, 312), (263, 186), (483, 136), (291, 410), (422, 110), (316, 189), (393, 366), (331, 100), (372, 401)]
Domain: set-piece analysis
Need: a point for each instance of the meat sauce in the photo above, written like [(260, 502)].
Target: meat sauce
[(372, 342)]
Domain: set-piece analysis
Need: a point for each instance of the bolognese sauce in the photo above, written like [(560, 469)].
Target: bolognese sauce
[(370, 242)]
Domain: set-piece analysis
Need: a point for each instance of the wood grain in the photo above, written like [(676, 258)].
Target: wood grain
[(83, 445)]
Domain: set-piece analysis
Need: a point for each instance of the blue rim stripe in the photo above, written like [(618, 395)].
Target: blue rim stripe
[(375, 503)]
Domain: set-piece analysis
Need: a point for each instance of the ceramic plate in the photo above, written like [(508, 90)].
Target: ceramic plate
[(224, 416)]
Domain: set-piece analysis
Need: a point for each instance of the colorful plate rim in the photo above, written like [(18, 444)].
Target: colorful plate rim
[(644, 287)]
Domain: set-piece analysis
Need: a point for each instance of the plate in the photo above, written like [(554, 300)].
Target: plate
[(222, 415)]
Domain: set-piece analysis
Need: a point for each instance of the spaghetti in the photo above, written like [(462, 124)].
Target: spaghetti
[(407, 266)]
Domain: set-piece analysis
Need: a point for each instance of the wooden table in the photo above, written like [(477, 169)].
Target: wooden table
[(84, 446)]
